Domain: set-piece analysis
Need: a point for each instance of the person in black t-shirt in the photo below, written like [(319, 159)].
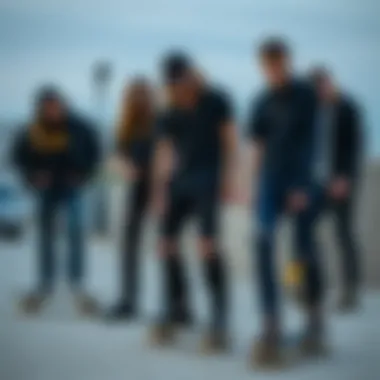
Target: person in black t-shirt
[(196, 130), (281, 128)]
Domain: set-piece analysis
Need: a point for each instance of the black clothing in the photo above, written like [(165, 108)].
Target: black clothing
[(347, 144), (194, 190), (132, 229), (283, 119), (342, 212), (79, 159), (182, 206), (196, 137), (138, 151)]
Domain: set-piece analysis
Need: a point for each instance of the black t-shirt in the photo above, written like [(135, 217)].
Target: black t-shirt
[(284, 120), (196, 134)]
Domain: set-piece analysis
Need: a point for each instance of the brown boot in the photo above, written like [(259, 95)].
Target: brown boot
[(86, 304), (162, 333), (215, 341), (33, 303), (267, 353)]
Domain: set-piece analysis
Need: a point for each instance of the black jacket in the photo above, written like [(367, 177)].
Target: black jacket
[(348, 139), (284, 120), (80, 159)]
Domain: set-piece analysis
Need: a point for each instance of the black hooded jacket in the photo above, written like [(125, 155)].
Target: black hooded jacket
[(79, 159)]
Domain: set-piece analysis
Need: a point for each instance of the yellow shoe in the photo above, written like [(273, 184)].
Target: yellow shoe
[(294, 280), (294, 274)]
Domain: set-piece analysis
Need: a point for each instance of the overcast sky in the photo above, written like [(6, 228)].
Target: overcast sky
[(58, 40)]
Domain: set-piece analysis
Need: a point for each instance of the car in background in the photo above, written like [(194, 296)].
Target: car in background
[(15, 208)]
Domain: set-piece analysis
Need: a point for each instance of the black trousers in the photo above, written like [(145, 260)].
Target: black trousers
[(131, 236), (345, 233)]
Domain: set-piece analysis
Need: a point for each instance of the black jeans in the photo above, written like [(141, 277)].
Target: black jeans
[(49, 204), (131, 235), (343, 220)]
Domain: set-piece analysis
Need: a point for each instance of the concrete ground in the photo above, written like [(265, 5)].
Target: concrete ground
[(59, 344)]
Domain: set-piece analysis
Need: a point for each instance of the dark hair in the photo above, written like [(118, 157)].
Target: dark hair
[(47, 93), (274, 48), (175, 66), (319, 74)]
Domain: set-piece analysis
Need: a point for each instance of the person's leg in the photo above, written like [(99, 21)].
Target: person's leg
[(176, 289), (266, 350), (137, 199), (76, 238), (215, 271), (76, 258), (46, 209), (343, 214), (306, 244), (175, 302)]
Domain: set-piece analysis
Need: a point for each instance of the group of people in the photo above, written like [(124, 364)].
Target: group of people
[(305, 143)]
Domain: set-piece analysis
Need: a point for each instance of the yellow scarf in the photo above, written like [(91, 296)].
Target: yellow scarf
[(48, 141)]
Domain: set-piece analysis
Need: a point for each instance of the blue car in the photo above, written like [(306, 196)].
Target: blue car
[(14, 209)]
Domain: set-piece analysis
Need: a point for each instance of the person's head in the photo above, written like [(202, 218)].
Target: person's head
[(138, 106), (275, 60), (181, 79), (50, 106), (323, 83)]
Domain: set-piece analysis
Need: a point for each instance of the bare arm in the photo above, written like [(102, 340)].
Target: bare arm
[(163, 166), (230, 146)]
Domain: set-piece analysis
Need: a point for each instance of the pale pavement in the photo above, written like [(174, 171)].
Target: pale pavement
[(61, 345)]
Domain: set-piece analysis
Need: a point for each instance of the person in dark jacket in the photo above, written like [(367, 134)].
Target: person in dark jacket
[(281, 129), (134, 150), (56, 154), (339, 164)]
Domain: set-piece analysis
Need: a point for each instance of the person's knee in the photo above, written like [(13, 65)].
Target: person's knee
[(264, 240), (167, 247), (207, 248)]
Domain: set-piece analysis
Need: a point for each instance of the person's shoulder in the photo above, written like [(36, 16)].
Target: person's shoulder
[(304, 86), (260, 98), (217, 94), (81, 122), (347, 101)]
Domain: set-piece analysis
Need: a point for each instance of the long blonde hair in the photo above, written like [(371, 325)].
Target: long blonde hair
[(137, 111)]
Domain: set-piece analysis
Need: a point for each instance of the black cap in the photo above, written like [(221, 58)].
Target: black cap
[(274, 47), (175, 66), (48, 92)]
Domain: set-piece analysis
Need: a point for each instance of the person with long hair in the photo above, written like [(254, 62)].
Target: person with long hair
[(134, 143)]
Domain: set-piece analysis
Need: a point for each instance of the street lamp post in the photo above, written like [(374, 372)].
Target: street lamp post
[(102, 72)]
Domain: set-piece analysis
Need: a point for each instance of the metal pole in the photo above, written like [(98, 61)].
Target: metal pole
[(101, 81)]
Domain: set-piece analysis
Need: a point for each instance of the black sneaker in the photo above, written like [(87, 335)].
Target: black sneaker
[(121, 311), (348, 301), (162, 333), (313, 343), (181, 317)]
